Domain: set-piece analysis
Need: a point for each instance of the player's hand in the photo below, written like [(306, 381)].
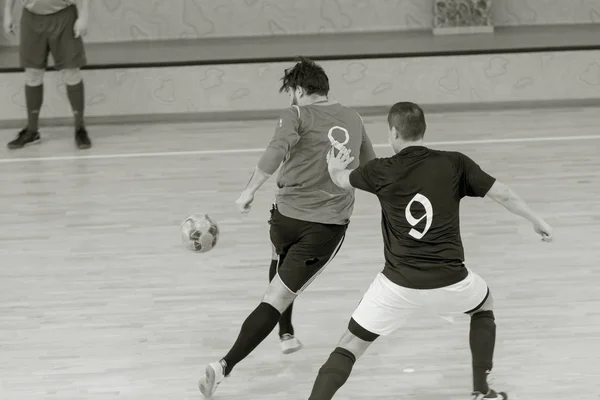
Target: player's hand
[(244, 202), (81, 26), (542, 228), (341, 160), (9, 24)]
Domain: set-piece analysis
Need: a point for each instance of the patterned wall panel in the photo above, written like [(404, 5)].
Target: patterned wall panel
[(445, 80), (122, 20), (545, 12), (119, 20)]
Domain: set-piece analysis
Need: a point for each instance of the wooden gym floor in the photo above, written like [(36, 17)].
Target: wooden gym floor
[(98, 299)]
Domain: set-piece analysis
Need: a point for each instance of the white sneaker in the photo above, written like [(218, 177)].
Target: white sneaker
[(491, 395), (289, 344), (214, 375)]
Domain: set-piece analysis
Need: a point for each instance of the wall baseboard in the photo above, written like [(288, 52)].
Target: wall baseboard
[(273, 114)]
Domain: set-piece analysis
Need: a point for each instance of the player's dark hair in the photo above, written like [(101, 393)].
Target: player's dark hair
[(408, 119), (308, 75)]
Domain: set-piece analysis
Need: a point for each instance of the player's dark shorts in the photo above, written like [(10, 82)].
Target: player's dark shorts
[(304, 248), (51, 34)]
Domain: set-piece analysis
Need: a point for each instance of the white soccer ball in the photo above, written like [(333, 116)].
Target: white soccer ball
[(199, 233)]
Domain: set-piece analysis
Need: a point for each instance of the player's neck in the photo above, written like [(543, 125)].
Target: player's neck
[(322, 100), (406, 145)]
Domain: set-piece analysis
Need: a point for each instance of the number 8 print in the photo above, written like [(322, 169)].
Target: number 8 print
[(338, 128), (424, 201)]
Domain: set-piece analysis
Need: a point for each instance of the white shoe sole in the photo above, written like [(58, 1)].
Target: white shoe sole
[(208, 385), (289, 348)]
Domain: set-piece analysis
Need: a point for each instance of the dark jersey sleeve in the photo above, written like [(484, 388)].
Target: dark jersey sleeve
[(286, 136), (368, 177), (474, 181)]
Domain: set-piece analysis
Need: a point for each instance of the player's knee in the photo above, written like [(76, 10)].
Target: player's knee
[(485, 311), (355, 344), (483, 314), (34, 77), (360, 332), (72, 76), (278, 295)]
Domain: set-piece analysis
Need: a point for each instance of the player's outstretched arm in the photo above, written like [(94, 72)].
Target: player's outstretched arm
[(336, 165), (505, 196), (286, 136)]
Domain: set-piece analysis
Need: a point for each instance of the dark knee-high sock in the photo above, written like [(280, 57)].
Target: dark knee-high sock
[(254, 330), (76, 95), (333, 374), (482, 339), (285, 322), (34, 97)]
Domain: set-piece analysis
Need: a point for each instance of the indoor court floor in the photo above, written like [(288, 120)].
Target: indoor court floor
[(99, 300)]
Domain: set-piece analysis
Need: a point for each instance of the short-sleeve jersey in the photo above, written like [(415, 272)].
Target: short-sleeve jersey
[(420, 190), (305, 189), (45, 7)]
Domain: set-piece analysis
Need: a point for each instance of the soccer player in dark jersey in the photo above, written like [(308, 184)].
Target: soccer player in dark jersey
[(419, 190), (310, 214)]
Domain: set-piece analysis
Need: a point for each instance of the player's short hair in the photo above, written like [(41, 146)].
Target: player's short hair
[(408, 119), (308, 75)]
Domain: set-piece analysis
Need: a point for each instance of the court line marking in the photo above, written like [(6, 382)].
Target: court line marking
[(259, 150)]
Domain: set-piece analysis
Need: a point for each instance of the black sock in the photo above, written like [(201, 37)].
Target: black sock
[(34, 97), (333, 374), (285, 322), (254, 330), (482, 339), (76, 96)]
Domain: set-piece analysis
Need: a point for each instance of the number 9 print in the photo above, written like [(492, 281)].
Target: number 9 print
[(424, 201)]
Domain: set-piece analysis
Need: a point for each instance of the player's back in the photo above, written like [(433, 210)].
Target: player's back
[(420, 191), (306, 191)]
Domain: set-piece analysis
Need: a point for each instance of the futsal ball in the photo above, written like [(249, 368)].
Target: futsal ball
[(199, 233)]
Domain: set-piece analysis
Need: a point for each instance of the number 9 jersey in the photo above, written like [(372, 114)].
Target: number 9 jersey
[(305, 135), (420, 190)]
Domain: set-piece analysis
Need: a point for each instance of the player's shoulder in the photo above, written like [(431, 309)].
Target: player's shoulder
[(460, 161), (290, 112), (351, 111), (450, 155), (382, 164)]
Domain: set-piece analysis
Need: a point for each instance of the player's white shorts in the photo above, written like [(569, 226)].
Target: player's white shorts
[(386, 306)]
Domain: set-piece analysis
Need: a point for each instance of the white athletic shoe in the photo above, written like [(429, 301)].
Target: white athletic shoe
[(289, 344), (491, 395), (214, 375)]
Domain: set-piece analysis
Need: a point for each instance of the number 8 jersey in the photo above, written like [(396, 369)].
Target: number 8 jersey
[(305, 135), (420, 190)]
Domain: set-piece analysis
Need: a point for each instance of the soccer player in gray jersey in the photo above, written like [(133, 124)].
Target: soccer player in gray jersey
[(420, 190), (51, 27), (310, 214)]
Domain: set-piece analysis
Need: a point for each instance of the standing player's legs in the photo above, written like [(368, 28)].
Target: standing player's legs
[(289, 343), (308, 248), (69, 56), (33, 49)]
